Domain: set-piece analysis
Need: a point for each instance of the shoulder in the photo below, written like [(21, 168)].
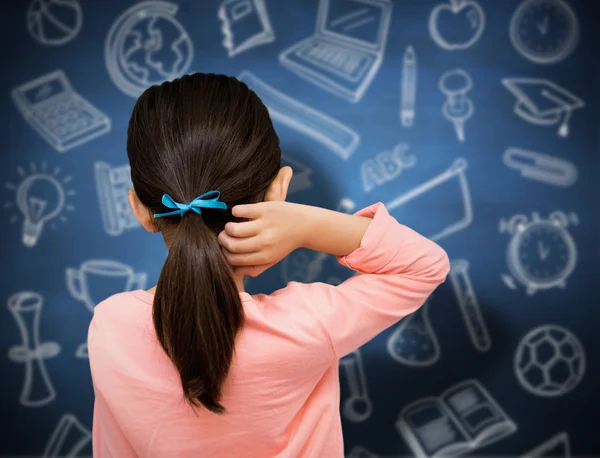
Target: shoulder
[(120, 313)]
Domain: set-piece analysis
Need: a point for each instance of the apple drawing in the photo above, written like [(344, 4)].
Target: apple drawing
[(456, 25)]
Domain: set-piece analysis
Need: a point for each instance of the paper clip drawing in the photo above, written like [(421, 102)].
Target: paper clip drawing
[(245, 24), (301, 177), (41, 197), (53, 22), (26, 309), (543, 103), (544, 31), (469, 306), (361, 452), (463, 419), (97, 279), (414, 342), (113, 185), (541, 254), (357, 407), (557, 446), (386, 166), (408, 87), (541, 167), (339, 138), (431, 193), (68, 439), (549, 361), (346, 51), (458, 108), (457, 24), (58, 113), (146, 45)]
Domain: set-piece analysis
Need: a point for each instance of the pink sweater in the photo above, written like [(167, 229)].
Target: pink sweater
[(282, 395)]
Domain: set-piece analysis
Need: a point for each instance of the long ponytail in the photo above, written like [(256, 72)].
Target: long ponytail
[(198, 311)]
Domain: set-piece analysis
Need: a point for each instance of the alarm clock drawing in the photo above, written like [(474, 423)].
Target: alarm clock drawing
[(541, 254), (544, 31)]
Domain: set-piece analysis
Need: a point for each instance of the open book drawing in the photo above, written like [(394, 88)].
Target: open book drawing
[(464, 418)]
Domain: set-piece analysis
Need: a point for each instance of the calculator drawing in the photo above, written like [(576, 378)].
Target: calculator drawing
[(59, 114)]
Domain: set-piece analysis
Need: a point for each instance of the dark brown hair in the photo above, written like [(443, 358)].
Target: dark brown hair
[(195, 134)]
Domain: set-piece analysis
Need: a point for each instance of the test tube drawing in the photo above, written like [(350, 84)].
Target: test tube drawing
[(68, 438), (37, 391), (358, 406), (409, 87), (469, 306), (458, 108)]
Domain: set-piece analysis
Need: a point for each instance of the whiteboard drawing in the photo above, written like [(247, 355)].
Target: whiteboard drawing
[(146, 45), (62, 117), (361, 452), (541, 254), (358, 406), (96, 280), (333, 134), (386, 166), (464, 418), (41, 196), (113, 185), (414, 342), (346, 50), (549, 361), (408, 91), (54, 22), (544, 31), (469, 305), (543, 103), (68, 439), (436, 190), (541, 167), (457, 108), (301, 178), (38, 390), (456, 25), (245, 24), (558, 446)]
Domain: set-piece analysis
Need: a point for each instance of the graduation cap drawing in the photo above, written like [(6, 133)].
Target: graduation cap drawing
[(542, 102)]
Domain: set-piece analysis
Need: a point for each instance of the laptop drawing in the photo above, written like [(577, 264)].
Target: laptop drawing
[(346, 50)]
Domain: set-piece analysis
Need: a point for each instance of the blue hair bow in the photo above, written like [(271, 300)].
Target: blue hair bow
[(195, 205)]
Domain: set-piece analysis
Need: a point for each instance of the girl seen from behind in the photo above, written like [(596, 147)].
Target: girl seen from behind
[(197, 367)]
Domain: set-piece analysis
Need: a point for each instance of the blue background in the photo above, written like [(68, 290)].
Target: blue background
[(497, 191)]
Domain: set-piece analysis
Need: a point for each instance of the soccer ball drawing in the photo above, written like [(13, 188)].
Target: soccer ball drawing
[(549, 361)]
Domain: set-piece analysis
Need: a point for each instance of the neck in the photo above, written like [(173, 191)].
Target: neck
[(239, 283)]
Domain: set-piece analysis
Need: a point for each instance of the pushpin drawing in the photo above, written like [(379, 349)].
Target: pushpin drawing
[(458, 108)]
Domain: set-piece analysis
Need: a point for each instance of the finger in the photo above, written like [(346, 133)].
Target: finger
[(245, 229), (238, 245), (245, 259), (251, 211)]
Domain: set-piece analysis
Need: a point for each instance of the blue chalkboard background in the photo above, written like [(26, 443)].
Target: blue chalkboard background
[(474, 121)]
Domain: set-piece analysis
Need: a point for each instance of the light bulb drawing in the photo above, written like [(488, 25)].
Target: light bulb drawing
[(41, 197)]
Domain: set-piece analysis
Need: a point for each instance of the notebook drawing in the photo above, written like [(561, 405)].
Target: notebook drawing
[(464, 418), (346, 50)]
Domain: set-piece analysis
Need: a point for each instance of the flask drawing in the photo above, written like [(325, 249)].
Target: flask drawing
[(357, 407)]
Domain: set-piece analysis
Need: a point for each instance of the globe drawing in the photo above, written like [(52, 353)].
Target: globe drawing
[(54, 22), (549, 361), (146, 46)]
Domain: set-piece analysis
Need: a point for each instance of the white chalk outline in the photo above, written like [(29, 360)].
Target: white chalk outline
[(115, 220), (258, 7), (469, 305), (522, 228), (541, 167), (533, 52), (547, 446), (121, 27), (341, 48), (354, 371), (457, 108), (495, 432), (61, 431), (320, 127), (374, 169), (457, 169), (85, 121), (359, 451), (37, 35), (301, 176), (31, 352), (526, 109), (544, 331), (455, 7), (408, 87)]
